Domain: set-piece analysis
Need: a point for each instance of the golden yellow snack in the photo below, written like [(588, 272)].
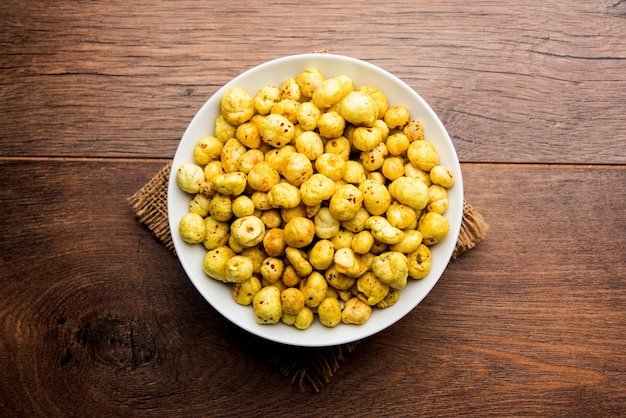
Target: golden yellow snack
[(271, 218), (329, 92), (310, 144), (288, 108), (414, 130), (299, 232), (189, 177), (298, 259), (248, 134), (267, 305), (410, 242), (345, 202), (340, 146), (308, 115), (357, 222), (423, 154), (379, 98), (331, 165), (349, 263), (392, 268), (290, 277), (266, 97), (272, 269), (192, 228), (411, 170), (343, 239), (199, 204), (232, 152), (247, 231), (230, 184), (224, 130), (212, 169), (249, 159), (292, 300), (434, 227), (243, 206), (276, 130), (314, 289), (331, 125), (393, 168), (419, 262), (397, 144), (376, 197), (392, 297), (237, 106), (207, 149), (309, 81), (283, 195), (370, 289), (217, 233), (437, 199), (329, 312), (374, 159), (409, 191), (238, 269), (397, 116), (316, 189), (321, 254), (362, 242), (359, 109), (263, 176), (221, 207), (304, 318), (338, 280), (442, 176), (244, 292), (274, 242), (292, 222), (401, 216), (325, 224), (297, 168), (214, 262), (383, 231), (366, 138), (356, 312)]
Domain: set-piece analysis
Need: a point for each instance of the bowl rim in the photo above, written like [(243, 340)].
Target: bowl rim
[(335, 335)]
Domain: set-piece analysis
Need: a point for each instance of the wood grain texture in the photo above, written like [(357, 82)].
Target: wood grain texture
[(97, 318), (526, 82)]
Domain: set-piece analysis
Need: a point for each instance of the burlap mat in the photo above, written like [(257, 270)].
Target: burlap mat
[(303, 365)]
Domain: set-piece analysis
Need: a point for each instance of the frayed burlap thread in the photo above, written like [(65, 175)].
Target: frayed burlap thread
[(317, 366)]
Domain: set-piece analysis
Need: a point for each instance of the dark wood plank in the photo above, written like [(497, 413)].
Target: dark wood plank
[(529, 82), (97, 318)]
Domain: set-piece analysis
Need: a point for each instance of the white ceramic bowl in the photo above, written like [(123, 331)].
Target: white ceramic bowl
[(275, 72)]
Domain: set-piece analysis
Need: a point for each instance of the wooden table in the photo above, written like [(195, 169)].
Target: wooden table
[(98, 319)]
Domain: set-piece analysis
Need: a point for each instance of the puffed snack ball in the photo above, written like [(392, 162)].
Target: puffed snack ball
[(237, 106), (299, 232), (192, 228), (267, 305), (244, 292), (434, 227), (359, 109), (248, 231), (190, 177), (329, 312), (392, 268), (207, 149), (356, 312), (345, 202)]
